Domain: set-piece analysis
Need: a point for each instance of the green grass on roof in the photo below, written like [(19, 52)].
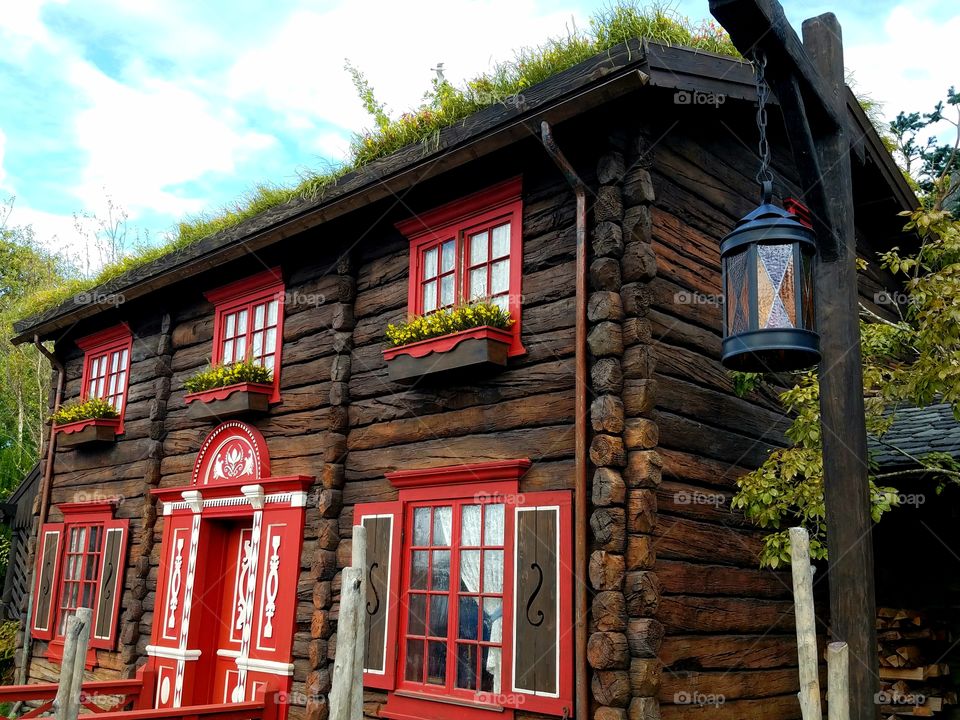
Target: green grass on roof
[(444, 106)]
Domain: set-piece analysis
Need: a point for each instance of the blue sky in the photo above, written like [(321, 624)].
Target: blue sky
[(174, 107)]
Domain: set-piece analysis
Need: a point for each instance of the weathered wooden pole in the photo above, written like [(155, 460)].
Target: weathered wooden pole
[(66, 706), (806, 622), (808, 80), (346, 691), (359, 561), (853, 613), (838, 675)]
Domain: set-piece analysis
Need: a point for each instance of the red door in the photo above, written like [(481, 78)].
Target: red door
[(225, 639)]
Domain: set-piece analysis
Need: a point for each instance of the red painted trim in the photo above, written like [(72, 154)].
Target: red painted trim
[(222, 393), (55, 653), (221, 490), (249, 291), (106, 342), (485, 209), (78, 425), (406, 706), (801, 211), (508, 470), (444, 343), (462, 208), (232, 429), (79, 512)]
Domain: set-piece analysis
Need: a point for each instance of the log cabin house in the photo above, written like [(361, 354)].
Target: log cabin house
[(208, 530)]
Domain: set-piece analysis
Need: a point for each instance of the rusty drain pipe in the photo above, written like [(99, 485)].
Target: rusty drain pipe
[(580, 427), (45, 492)]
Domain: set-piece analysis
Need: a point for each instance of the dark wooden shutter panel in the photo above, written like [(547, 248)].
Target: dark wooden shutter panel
[(542, 604), (112, 571), (383, 523), (48, 571)]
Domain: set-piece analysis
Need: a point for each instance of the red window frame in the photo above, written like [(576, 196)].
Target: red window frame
[(106, 362), (245, 296), (73, 569), (458, 222), (483, 484)]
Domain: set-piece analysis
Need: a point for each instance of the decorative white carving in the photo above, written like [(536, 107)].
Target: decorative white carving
[(240, 690), (231, 463), (254, 494), (187, 603), (173, 598), (242, 581), (273, 586), (165, 690)]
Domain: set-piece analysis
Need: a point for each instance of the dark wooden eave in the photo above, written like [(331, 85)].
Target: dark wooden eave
[(593, 82)]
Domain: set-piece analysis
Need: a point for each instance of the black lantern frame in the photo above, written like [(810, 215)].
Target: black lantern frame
[(767, 263)]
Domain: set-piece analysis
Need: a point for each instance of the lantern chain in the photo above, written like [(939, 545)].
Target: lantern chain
[(763, 94)]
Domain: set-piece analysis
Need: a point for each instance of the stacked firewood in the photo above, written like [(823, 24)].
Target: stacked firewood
[(913, 681)]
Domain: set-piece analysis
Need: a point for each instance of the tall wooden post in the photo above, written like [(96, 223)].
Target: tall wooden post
[(846, 485), (808, 81)]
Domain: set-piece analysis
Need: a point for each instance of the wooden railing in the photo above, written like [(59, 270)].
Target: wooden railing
[(128, 692)]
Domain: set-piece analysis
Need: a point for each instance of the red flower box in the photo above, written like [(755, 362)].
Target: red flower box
[(476, 348), (224, 402), (89, 431)]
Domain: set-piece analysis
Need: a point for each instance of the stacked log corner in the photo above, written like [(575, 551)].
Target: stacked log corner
[(330, 545), (625, 636)]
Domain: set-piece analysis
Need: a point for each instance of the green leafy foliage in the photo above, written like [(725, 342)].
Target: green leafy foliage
[(445, 322), (77, 410), (443, 106), (911, 356), (219, 376)]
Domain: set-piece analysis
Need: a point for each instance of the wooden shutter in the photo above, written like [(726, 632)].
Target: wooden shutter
[(542, 643), (113, 563), (48, 574), (384, 523)]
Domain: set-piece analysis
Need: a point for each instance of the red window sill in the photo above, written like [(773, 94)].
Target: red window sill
[(222, 393), (416, 706), (78, 425), (445, 343)]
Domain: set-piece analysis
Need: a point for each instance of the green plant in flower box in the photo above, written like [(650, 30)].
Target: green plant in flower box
[(77, 410), (445, 322), (219, 376)]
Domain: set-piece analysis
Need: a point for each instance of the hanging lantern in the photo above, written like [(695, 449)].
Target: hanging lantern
[(768, 317), (767, 264)]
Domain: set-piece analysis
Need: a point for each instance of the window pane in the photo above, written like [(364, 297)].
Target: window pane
[(446, 261), (258, 344), (500, 277), (492, 620), (418, 570), (416, 614), (430, 264), (242, 322), (437, 663), (240, 350), (478, 283), (115, 359), (123, 360), (270, 342), (438, 615), (490, 669), (468, 615), (430, 296), (228, 352), (414, 667), (442, 525), (493, 524), (502, 302), (470, 571), (268, 362), (94, 545), (493, 571), (421, 526), (470, 525), (467, 666), (446, 290), (272, 310), (440, 572), (259, 315), (501, 241), (231, 325), (478, 248)]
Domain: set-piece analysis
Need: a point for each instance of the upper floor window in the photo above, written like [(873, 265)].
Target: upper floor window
[(469, 251), (106, 366), (81, 562), (248, 323)]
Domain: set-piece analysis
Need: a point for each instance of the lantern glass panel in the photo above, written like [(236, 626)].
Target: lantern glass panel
[(806, 289), (737, 294), (774, 271)]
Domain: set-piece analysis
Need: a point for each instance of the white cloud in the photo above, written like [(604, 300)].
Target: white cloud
[(144, 138), (910, 65), (299, 69), (21, 27)]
